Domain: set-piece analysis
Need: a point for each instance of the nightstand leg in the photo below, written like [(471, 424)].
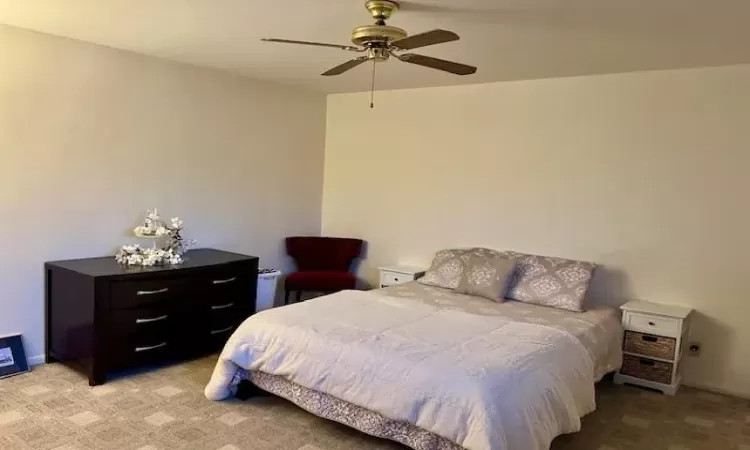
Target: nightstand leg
[(671, 390)]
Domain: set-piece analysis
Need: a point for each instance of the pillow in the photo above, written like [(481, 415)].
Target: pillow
[(446, 269), (486, 275), (548, 281)]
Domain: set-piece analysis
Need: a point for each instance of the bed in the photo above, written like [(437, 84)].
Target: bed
[(427, 367)]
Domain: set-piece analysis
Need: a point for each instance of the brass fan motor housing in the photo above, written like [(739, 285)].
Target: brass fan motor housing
[(381, 9), (376, 34)]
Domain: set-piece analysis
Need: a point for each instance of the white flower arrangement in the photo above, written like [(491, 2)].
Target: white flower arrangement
[(168, 234), (135, 255)]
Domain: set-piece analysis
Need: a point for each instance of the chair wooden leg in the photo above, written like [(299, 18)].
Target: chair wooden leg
[(286, 296), (299, 296)]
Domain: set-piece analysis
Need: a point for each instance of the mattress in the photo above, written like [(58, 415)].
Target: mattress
[(598, 329)]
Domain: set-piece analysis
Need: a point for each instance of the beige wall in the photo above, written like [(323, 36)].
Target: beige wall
[(645, 173), (90, 137)]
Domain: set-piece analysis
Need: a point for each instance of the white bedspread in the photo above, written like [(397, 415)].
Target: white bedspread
[(598, 329), (484, 382)]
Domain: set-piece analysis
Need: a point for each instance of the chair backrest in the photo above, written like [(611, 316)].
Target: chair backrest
[(323, 253)]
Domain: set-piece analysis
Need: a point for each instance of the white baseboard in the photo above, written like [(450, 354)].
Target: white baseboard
[(718, 390), (36, 360)]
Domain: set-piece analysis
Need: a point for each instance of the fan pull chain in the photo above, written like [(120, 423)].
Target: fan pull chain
[(372, 88)]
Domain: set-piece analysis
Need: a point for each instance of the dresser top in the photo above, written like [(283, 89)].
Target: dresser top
[(641, 306), (106, 266)]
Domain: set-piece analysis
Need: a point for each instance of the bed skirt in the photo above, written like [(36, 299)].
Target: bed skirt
[(364, 420)]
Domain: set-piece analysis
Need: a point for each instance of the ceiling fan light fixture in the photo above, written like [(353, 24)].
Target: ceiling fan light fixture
[(379, 54)]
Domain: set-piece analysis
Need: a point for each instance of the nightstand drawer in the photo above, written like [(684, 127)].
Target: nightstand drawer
[(391, 278), (647, 369), (650, 345), (662, 326)]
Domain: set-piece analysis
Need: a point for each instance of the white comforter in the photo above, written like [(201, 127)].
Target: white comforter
[(484, 382)]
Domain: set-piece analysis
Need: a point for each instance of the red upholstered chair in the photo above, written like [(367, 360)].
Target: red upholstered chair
[(323, 264)]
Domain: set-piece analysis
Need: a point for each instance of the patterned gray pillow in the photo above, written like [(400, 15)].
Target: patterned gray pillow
[(486, 275), (548, 281), (446, 269)]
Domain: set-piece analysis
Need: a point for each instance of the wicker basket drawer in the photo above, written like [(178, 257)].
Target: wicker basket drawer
[(647, 369), (650, 345)]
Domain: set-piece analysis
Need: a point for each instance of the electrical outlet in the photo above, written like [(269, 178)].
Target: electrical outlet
[(694, 349)]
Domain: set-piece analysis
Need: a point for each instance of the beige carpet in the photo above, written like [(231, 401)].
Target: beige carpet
[(53, 408)]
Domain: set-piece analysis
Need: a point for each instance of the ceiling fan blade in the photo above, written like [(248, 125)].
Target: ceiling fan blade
[(317, 44), (338, 70), (439, 64), (424, 39)]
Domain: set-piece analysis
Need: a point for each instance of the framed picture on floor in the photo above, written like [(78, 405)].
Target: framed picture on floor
[(12, 356)]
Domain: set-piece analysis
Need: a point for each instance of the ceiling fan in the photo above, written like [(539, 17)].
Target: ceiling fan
[(380, 41)]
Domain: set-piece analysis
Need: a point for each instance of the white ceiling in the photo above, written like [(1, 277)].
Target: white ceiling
[(506, 39)]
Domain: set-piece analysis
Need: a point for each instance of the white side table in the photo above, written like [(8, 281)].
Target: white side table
[(391, 275), (654, 345)]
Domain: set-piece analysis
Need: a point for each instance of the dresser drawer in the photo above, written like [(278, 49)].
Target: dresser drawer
[(650, 345), (229, 284), (221, 317), (215, 338), (662, 326), (222, 330), (132, 294), (647, 369), (139, 351), (154, 319)]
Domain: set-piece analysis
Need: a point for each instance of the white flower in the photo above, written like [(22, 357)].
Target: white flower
[(134, 259), (176, 223), (152, 214), (151, 260), (161, 230)]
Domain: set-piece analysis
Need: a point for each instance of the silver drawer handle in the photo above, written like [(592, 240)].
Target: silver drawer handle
[(228, 280), (228, 305), (145, 349), (155, 319), (158, 291), (221, 331)]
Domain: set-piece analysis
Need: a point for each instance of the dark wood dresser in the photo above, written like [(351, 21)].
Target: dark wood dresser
[(105, 317)]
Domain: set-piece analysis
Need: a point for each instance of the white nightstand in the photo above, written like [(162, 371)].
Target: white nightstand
[(654, 345), (391, 275)]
